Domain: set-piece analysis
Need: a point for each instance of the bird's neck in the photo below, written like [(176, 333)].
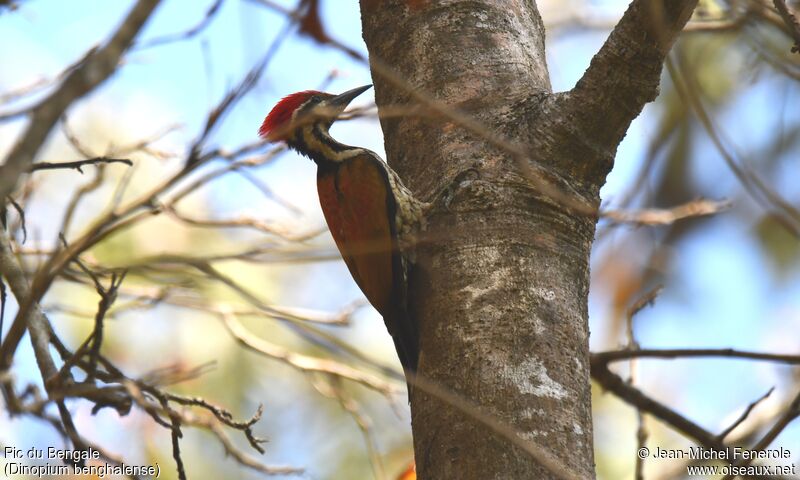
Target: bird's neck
[(315, 142)]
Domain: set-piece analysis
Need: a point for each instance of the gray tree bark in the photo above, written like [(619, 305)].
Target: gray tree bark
[(502, 281)]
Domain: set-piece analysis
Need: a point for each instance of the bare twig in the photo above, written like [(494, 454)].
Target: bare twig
[(791, 413), (107, 298), (124, 391), (73, 139), (76, 164), (245, 222), (628, 393), (303, 362), (92, 70), (115, 220), (235, 95), (657, 216), (226, 418), (3, 297), (641, 431), (176, 434), (763, 52), (185, 35), (644, 301), (633, 396), (791, 22), (268, 192), (617, 355), (25, 90), (37, 324), (21, 213), (139, 393), (744, 415), (92, 185), (351, 406), (234, 165)]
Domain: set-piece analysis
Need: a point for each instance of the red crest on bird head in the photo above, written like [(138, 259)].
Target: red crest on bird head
[(281, 114)]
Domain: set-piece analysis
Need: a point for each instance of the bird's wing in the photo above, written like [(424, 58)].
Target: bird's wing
[(355, 202)]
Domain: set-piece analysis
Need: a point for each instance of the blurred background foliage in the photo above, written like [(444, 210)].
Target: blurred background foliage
[(730, 280)]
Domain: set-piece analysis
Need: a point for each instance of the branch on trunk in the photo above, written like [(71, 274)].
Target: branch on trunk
[(624, 75), (92, 70)]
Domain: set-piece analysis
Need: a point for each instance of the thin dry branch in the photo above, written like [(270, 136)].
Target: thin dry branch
[(137, 297), (77, 165), (25, 90), (644, 301), (107, 298), (581, 19), (300, 327), (618, 355), (120, 392), (659, 216), (115, 219), (90, 186), (234, 96), (633, 396), (159, 406), (765, 53), (641, 431), (303, 362), (37, 323), (73, 139), (185, 35), (643, 403), (791, 22), (236, 163), (268, 192), (176, 435), (332, 388), (97, 66), (246, 222), (791, 413), (744, 415), (21, 216)]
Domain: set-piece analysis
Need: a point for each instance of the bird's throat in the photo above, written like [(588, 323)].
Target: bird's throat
[(315, 142)]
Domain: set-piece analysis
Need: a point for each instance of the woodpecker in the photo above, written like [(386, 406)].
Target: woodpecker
[(372, 216)]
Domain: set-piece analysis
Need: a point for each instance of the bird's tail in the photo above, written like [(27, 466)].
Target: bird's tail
[(403, 328)]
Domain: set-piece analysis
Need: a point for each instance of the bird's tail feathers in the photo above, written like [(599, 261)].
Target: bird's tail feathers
[(403, 328)]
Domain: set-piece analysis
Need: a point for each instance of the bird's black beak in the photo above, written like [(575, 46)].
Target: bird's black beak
[(343, 99)]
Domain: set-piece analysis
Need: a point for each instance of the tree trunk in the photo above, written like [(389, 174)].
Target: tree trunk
[(502, 279)]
